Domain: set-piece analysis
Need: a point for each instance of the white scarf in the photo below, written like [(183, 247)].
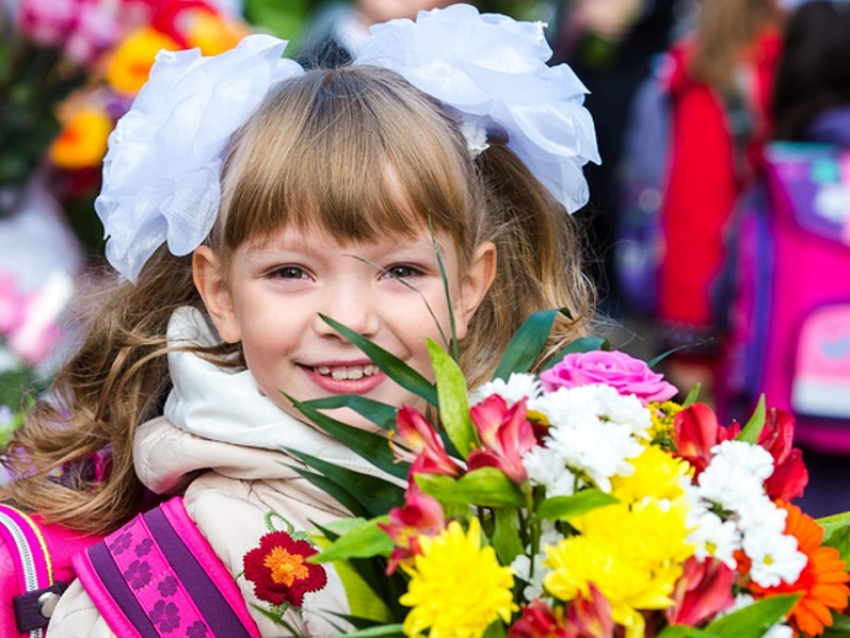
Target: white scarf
[(224, 405)]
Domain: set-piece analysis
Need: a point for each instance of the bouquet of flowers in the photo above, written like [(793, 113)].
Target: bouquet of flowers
[(579, 501)]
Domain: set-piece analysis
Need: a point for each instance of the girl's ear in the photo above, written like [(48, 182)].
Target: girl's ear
[(475, 283), (210, 282)]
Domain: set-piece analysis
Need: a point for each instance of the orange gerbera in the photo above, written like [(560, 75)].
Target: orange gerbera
[(822, 582)]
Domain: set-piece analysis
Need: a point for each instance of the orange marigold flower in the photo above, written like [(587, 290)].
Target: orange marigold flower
[(131, 63), (822, 582), (280, 571)]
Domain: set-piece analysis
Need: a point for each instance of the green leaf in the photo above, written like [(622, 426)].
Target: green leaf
[(495, 630), (680, 631), (693, 395), (526, 344), (840, 626), (582, 344), (365, 541), (375, 496), (381, 414), (330, 487), (485, 487), (750, 433), (837, 534), (752, 621), (396, 369), (454, 400), (562, 508), (383, 630), (372, 447), (506, 540)]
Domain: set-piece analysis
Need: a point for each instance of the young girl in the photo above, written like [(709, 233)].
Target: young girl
[(338, 191)]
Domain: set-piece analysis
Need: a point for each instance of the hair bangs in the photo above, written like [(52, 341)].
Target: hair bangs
[(358, 154)]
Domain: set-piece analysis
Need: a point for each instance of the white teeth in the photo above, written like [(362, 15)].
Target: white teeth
[(352, 373)]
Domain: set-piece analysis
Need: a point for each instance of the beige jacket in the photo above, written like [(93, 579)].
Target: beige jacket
[(230, 488)]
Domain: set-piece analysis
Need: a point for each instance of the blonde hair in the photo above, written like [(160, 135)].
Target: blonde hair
[(725, 32), (359, 153)]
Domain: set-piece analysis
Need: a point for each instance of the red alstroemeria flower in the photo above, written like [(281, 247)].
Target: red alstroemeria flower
[(540, 621), (696, 431), (585, 618), (505, 433), (419, 435), (789, 476), (280, 571), (422, 515), (591, 616), (703, 590)]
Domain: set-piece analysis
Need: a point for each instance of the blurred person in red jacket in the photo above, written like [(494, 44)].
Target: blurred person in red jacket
[(720, 79)]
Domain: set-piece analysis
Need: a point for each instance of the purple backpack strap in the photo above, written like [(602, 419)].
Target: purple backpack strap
[(26, 545), (158, 576)]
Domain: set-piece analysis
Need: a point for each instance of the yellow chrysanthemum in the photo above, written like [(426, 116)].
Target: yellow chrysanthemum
[(131, 64), (457, 588), (657, 474), (82, 142), (632, 553)]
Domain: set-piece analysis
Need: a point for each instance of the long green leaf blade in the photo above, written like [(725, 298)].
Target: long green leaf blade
[(370, 446), (381, 414), (454, 400), (396, 369), (527, 344), (375, 496)]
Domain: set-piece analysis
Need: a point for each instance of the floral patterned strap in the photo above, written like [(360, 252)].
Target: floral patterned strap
[(158, 576)]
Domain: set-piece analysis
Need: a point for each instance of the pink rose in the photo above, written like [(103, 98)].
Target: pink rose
[(625, 374)]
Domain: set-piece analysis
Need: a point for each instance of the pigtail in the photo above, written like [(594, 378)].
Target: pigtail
[(117, 379), (539, 264)]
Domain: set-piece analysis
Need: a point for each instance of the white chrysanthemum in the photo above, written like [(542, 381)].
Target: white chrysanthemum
[(754, 458), (626, 410), (713, 536), (565, 406), (519, 386), (596, 448), (761, 514), (775, 557), (546, 467), (779, 631), (730, 484)]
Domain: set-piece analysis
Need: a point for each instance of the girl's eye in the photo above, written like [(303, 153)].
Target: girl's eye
[(288, 272), (401, 271)]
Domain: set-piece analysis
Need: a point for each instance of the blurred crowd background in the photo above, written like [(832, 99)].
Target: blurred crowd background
[(718, 227)]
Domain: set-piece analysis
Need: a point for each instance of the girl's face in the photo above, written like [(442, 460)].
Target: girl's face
[(381, 289)]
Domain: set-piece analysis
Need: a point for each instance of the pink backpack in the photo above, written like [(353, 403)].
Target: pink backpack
[(790, 302), (35, 568), (155, 576)]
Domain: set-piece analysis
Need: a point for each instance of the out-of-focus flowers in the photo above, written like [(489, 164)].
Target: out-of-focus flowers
[(73, 68)]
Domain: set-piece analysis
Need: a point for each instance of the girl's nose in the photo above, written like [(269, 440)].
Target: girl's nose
[(352, 305)]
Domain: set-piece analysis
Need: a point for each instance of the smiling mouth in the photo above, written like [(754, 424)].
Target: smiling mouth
[(347, 373)]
